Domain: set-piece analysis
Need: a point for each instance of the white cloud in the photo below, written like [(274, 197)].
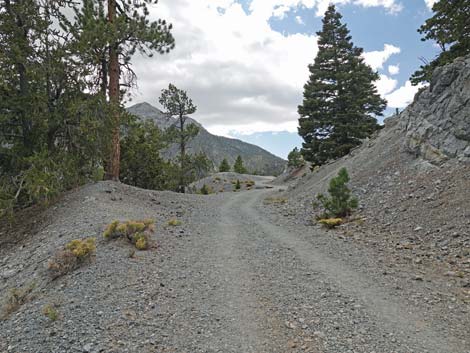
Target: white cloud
[(299, 20), (385, 85), (391, 5), (377, 59), (393, 69), (242, 75), (403, 96), (430, 3)]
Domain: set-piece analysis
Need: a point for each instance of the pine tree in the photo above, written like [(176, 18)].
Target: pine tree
[(294, 158), (340, 203), (111, 39), (177, 104), (340, 99), (238, 166), (449, 27), (224, 166)]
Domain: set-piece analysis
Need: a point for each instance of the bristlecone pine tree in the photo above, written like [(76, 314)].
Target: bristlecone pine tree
[(224, 166), (450, 28), (340, 100)]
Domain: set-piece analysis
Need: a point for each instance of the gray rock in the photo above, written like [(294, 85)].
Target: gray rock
[(437, 123)]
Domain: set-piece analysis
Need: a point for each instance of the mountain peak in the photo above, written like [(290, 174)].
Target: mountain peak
[(145, 110), (216, 148)]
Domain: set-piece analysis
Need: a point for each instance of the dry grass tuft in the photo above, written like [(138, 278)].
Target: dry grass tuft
[(330, 222), (50, 311), (17, 297)]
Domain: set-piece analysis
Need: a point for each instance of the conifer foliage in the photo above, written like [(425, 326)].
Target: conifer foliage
[(177, 104), (224, 166), (340, 100), (340, 202), (238, 166), (449, 27)]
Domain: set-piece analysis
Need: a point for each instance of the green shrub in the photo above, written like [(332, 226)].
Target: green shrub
[(205, 190), (339, 203), (238, 185)]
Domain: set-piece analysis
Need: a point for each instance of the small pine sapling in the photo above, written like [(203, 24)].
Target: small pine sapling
[(339, 203)]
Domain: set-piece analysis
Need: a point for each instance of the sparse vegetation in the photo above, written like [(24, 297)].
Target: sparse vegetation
[(330, 222), (238, 166), (174, 222), (74, 254), (237, 185), (82, 248), (137, 232), (275, 200), (224, 166), (249, 183), (50, 312), (141, 240), (295, 159), (340, 203), (17, 297), (205, 190)]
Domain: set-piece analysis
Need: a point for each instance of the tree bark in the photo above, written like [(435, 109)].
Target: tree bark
[(183, 154), (112, 172)]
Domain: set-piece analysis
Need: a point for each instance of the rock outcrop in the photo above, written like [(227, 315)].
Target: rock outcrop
[(437, 123)]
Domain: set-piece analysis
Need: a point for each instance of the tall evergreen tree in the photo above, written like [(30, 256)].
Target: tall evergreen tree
[(112, 37), (340, 99), (51, 131), (238, 166), (449, 27), (224, 166), (177, 104)]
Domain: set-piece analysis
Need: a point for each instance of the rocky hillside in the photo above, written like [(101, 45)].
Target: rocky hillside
[(413, 183), (437, 124), (215, 147)]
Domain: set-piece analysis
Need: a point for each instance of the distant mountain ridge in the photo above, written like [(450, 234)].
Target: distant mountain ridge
[(215, 147)]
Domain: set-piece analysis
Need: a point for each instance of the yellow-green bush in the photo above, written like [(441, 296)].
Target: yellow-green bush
[(72, 256), (330, 222), (136, 231), (82, 248), (141, 241), (111, 229), (174, 222)]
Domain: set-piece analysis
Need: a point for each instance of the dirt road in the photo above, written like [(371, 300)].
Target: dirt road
[(236, 276), (259, 286)]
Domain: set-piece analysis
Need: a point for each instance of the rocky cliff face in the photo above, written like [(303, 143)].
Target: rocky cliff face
[(437, 123), (216, 148)]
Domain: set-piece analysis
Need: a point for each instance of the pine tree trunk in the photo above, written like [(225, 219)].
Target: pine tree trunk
[(112, 172), (183, 155)]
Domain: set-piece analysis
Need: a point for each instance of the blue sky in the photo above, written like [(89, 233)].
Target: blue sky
[(244, 62)]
